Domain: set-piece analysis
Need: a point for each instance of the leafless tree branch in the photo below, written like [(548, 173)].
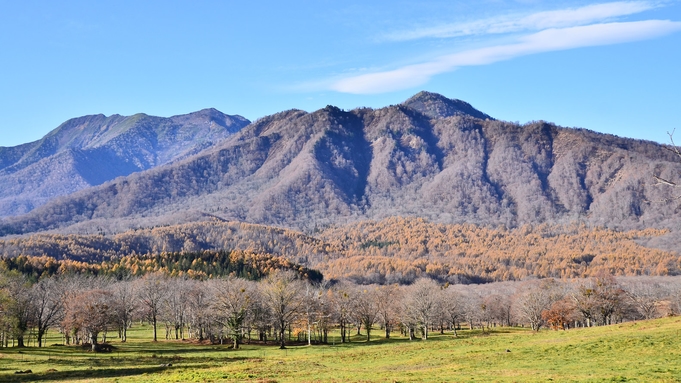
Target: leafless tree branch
[(674, 148), (663, 181)]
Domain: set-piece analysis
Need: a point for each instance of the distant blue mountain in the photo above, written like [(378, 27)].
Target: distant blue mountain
[(91, 150)]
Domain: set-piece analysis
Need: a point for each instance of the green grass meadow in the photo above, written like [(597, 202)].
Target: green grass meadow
[(646, 351)]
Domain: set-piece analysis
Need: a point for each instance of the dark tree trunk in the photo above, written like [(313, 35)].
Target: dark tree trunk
[(93, 341), (153, 319), (282, 336), (342, 331), (41, 333)]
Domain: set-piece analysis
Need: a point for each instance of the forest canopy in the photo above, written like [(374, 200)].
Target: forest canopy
[(393, 250), (197, 265)]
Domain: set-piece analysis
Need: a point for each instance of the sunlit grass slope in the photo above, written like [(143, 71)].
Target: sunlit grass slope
[(638, 352)]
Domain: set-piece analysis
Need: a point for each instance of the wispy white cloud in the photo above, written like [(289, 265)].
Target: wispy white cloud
[(562, 18), (553, 39)]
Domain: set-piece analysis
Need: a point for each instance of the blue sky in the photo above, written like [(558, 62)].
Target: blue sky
[(613, 67)]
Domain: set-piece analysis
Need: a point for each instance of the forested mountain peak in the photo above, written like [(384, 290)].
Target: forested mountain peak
[(435, 105)]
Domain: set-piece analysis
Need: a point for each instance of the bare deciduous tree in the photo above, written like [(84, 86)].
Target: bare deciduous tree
[(201, 314), (499, 307), (366, 310), (533, 300), (610, 299), (453, 306), (152, 290), (125, 305), (388, 300), (325, 312), (422, 303), (175, 306), (233, 300), (342, 300), (18, 309), (48, 304), (585, 302), (646, 297), (91, 313), (282, 292)]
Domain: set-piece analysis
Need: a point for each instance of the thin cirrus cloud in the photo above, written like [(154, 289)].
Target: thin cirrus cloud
[(553, 39), (591, 25), (537, 21)]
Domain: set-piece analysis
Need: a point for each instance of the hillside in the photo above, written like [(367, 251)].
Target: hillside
[(429, 157), (191, 237), (394, 250), (399, 250), (90, 150)]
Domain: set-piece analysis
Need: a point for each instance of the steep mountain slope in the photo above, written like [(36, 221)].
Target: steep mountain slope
[(429, 157), (91, 150)]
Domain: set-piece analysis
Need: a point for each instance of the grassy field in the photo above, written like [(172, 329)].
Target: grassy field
[(632, 352)]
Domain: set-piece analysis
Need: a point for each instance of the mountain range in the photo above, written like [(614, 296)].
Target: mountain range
[(429, 157), (90, 150)]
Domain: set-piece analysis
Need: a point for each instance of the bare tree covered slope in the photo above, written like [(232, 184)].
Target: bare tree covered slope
[(91, 150), (429, 157)]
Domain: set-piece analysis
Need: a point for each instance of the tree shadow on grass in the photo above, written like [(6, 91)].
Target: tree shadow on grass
[(110, 362), (379, 340), (123, 350), (81, 374), (92, 373), (171, 348), (432, 337)]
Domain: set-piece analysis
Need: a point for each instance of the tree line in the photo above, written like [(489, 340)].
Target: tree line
[(283, 307), (195, 265)]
